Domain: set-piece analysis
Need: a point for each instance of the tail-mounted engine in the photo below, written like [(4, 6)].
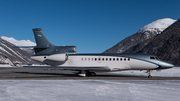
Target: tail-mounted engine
[(55, 59)]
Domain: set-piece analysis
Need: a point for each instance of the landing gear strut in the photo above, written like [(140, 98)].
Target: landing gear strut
[(149, 73)]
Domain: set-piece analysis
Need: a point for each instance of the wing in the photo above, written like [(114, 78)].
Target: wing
[(94, 69)]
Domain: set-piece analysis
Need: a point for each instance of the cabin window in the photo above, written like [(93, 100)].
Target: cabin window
[(102, 59), (128, 59), (117, 59), (92, 59), (121, 59), (124, 59), (157, 58), (106, 59), (88, 59), (85, 59), (95, 59), (109, 59), (113, 59), (82, 59), (99, 59)]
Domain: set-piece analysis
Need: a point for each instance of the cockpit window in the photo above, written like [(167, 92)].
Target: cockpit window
[(152, 57), (157, 58)]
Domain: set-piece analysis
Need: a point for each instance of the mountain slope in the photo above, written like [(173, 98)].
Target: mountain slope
[(16, 55), (21, 43), (166, 45), (147, 32)]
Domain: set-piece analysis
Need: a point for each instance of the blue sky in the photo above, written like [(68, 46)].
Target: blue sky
[(91, 25)]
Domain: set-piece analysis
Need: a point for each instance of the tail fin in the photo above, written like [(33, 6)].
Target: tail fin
[(44, 46), (41, 40)]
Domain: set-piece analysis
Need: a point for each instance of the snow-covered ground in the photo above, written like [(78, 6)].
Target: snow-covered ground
[(5, 65), (89, 90), (94, 90), (172, 72)]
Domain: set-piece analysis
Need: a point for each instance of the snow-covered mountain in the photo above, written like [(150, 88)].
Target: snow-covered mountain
[(158, 25), (165, 45), (146, 32), (16, 55), (19, 42)]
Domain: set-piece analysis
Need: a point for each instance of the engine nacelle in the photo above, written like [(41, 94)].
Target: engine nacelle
[(57, 57), (53, 58)]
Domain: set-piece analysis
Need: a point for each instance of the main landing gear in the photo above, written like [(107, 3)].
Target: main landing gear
[(85, 73), (149, 73)]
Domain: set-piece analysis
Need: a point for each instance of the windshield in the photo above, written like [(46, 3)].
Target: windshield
[(154, 58), (157, 58)]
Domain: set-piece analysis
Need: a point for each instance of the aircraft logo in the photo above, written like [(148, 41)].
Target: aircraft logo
[(39, 35)]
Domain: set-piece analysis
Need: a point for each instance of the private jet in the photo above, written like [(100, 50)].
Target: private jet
[(65, 58)]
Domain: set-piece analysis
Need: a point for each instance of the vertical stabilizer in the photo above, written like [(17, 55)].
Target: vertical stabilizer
[(45, 47), (41, 40)]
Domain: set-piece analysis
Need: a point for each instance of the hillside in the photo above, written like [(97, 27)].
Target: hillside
[(16, 55), (166, 45), (146, 32)]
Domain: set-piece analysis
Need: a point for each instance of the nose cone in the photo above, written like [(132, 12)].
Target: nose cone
[(165, 65)]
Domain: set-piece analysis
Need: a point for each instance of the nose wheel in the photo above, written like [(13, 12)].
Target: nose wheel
[(149, 73)]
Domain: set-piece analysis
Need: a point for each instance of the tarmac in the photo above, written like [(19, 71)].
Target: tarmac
[(19, 73)]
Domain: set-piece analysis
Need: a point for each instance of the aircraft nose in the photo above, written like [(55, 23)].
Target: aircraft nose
[(165, 65)]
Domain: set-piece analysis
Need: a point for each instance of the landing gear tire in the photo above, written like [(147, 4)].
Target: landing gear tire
[(84, 73), (149, 76), (93, 73), (88, 73)]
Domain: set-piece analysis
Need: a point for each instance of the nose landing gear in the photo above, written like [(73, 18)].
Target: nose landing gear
[(149, 73)]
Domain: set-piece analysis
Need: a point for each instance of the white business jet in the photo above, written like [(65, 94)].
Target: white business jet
[(64, 57)]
